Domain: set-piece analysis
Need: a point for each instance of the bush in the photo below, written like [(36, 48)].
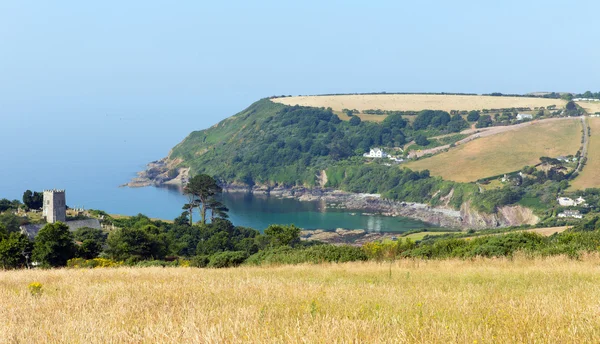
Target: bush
[(200, 261), (314, 254), (227, 259), (80, 263)]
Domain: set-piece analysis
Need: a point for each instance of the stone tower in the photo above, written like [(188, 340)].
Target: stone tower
[(55, 206)]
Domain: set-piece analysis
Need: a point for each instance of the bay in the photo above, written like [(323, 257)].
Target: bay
[(91, 152)]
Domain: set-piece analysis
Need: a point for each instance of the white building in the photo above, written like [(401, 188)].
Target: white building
[(524, 116), (569, 202), (376, 153), (571, 213)]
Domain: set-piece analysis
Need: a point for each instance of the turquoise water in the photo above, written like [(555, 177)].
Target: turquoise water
[(90, 158)]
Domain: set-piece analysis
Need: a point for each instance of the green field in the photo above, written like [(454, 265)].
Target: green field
[(590, 175), (505, 152)]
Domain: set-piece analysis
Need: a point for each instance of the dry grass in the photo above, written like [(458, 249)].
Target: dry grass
[(484, 301), (590, 175), (416, 102), (590, 107), (548, 231), (504, 152)]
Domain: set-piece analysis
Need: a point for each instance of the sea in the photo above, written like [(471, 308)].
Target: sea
[(91, 154)]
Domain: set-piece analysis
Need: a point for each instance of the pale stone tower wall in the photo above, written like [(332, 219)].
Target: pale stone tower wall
[(55, 206)]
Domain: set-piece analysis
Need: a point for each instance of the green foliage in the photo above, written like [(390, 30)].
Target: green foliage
[(484, 121), (278, 235), (354, 121), (227, 259), (14, 251), (136, 244), (6, 204), (11, 222), (33, 200), (93, 234), (89, 249), (489, 201), (201, 189), (473, 116), (54, 245), (421, 140), (313, 254)]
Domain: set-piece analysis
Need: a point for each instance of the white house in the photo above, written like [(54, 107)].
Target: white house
[(376, 153), (568, 202), (524, 116), (571, 213)]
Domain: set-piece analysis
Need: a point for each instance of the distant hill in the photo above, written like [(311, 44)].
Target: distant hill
[(272, 144)]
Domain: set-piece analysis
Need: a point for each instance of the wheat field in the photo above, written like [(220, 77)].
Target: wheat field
[(417, 102), (552, 300), (505, 152)]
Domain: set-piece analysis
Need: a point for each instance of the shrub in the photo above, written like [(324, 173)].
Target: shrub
[(227, 259), (80, 263), (200, 261)]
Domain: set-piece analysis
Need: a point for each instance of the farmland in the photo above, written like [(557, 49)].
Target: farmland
[(590, 107), (504, 152), (444, 301), (417, 102), (589, 176)]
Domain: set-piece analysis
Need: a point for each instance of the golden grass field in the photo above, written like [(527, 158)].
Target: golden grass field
[(505, 152), (417, 102), (590, 175), (590, 107), (552, 300)]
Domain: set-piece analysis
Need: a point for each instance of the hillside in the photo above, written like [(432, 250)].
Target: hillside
[(505, 152), (588, 178), (299, 150)]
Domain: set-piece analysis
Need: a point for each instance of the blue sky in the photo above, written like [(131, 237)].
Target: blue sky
[(92, 91), (186, 56)]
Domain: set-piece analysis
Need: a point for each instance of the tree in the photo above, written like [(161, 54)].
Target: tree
[(571, 106), (484, 121), (421, 140), (217, 210), (202, 187), (135, 244), (54, 245), (354, 121), (15, 251), (33, 200), (283, 235), (10, 221), (473, 116), (89, 249), (94, 234)]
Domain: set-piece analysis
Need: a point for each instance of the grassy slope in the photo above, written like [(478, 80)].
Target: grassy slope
[(506, 152), (437, 301), (226, 131), (590, 175)]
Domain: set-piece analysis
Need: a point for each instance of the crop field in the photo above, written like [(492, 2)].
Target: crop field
[(504, 152), (439, 301), (590, 175), (590, 107), (417, 102)]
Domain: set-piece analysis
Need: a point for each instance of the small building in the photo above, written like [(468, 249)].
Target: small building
[(524, 116), (569, 202), (571, 213), (376, 153)]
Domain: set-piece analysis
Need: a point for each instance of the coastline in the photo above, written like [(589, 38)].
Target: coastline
[(157, 174)]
